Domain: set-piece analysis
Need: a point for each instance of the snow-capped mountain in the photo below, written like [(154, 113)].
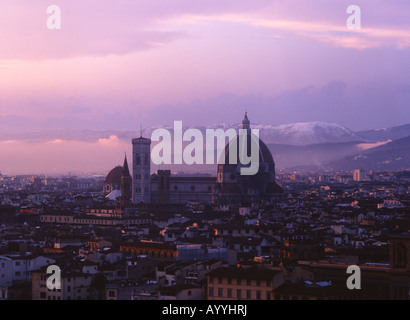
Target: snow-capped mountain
[(384, 134), (292, 145), (306, 133), (299, 134)]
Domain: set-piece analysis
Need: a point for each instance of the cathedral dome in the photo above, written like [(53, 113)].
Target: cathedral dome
[(235, 187), (232, 160), (113, 180), (265, 155), (114, 176)]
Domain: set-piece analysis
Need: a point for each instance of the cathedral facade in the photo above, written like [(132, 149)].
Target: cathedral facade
[(229, 187)]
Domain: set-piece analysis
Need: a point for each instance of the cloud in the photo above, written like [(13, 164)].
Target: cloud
[(56, 141), (112, 140), (332, 32), (61, 156), (358, 107), (94, 28), (64, 45), (100, 28)]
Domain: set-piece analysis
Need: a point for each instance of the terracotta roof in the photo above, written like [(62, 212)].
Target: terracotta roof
[(114, 176), (265, 155)]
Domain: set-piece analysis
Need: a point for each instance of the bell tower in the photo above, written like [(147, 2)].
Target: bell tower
[(141, 170)]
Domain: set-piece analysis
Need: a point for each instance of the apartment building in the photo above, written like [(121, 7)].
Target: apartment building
[(243, 283)]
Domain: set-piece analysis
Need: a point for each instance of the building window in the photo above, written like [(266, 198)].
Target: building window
[(111, 294), (211, 279), (43, 295), (220, 292), (248, 294), (229, 293), (211, 292), (258, 295), (239, 293), (399, 255), (239, 282)]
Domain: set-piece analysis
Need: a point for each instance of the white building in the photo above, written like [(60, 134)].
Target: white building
[(74, 286), (18, 268)]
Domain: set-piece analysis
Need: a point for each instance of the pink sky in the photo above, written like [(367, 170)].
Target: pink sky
[(116, 64)]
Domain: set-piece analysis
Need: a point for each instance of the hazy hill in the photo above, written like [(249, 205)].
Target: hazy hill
[(392, 156)]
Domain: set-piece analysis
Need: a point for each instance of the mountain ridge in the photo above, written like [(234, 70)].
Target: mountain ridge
[(392, 156), (298, 133)]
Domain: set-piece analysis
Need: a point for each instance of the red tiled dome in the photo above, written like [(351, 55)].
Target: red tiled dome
[(265, 155), (114, 176)]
